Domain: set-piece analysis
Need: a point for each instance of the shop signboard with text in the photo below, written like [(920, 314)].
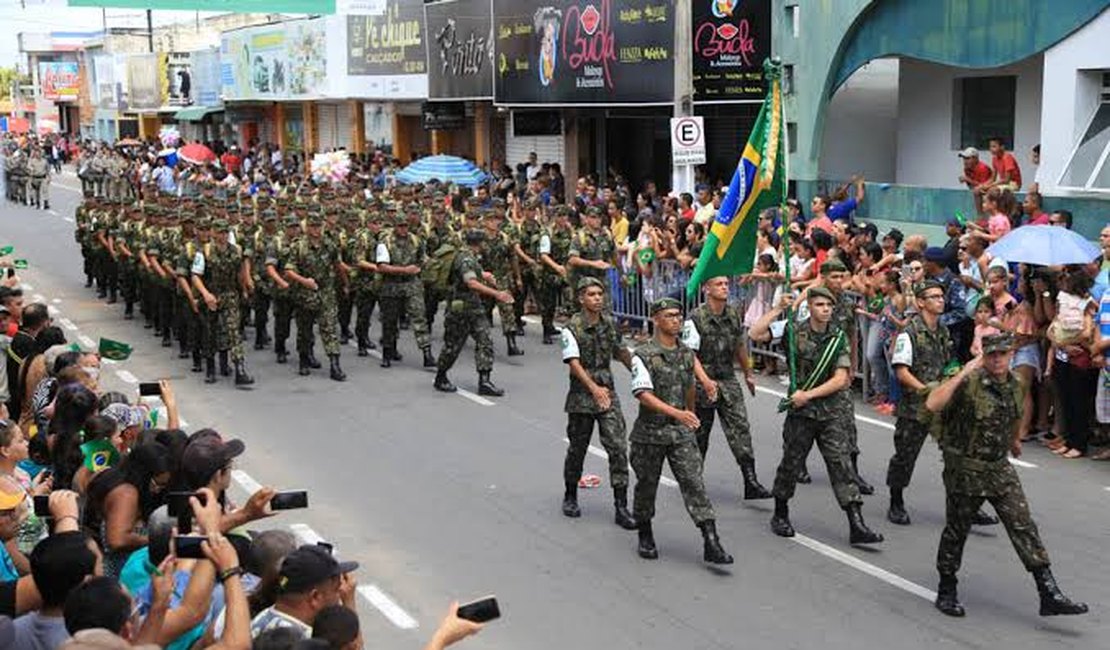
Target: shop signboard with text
[(388, 43), (731, 39), (460, 49), (592, 52), (60, 81), (282, 61)]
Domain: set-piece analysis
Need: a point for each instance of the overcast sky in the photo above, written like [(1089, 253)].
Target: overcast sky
[(55, 16)]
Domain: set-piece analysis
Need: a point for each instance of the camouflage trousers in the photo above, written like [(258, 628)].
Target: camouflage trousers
[(107, 271), (464, 321), (283, 317), (129, 283), (833, 441), (614, 438), (432, 298), (409, 300), (344, 309), (909, 436), (365, 299), (319, 310), (550, 291), (260, 303), (734, 420), (188, 323), (220, 328), (1013, 512), (504, 310), (685, 461)]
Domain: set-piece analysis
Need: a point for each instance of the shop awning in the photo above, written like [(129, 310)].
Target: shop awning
[(196, 113)]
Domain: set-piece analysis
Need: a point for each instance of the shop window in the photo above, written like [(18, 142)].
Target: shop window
[(1088, 168), (792, 137), (788, 79), (985, 106)]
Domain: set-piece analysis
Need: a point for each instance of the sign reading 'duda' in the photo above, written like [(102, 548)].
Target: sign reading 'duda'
[(460, 49), (731, 39), (583, 51)]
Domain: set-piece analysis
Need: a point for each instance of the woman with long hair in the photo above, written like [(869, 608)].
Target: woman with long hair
[(72, 407)]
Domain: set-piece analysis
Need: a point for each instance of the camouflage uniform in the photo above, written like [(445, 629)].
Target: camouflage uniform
[(925, 352), (844, 317), (82, 234), (465, 317), (277, 255), (364, 284), (108, 269), (555, 242), (594, 345), (497, 258), (255, 249), (401, 294), (592, 246), (826, 420), (436, 235), (188, 321), (669, 375), (528, 236), (316, 259), (219, 268), (980, 421)]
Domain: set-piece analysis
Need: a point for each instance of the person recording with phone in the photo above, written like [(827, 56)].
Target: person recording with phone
[(207, 462)]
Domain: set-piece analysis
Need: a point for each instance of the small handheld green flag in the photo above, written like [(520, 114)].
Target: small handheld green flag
[(114, 350), (99, 455), (7, 250), (20, 264), (961, 218)]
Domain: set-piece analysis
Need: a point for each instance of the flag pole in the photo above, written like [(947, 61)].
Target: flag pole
[(784, 240)]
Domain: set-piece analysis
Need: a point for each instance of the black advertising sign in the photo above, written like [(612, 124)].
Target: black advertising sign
[(443, 116), (391, 43), (460, 49), (731, 40), (583, 51)]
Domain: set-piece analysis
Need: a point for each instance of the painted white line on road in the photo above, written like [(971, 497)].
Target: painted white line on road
[(126, 376), (26, 287), (387, 607), (53, 311), (86, 341), (69, 219), (866, 567), (1107, 488), (68, 324), (38, 297), (305, 534), (66, 188), (604, 455), (53, 212), (477, 399), (1020, 463), (248, 484), (57, 301)]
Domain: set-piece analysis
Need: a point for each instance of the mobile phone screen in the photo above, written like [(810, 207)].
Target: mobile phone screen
[(188, 546), (150, 389), (42, 506), (177, 503), (481, 610), (291, 500)]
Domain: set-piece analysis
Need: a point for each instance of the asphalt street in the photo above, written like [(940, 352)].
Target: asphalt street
[(443, 497)]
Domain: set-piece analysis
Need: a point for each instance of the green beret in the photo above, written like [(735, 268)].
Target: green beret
[(400, 220), (588, 282), (833, 266), (664, 304), (204, 223), (997, 343), (821, 292)]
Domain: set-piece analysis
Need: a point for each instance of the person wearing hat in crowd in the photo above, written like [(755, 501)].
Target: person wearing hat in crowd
[(590, 341), (663, 383), (955, 231), (961, 328), (980, 408), (592, 251), (817, 411), (466, 317), (976, 175), (497, 257), (312, 266), (219, 275), (310, 580), (400, 257), (715, 331)]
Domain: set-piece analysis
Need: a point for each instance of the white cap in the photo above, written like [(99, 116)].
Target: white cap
[(970, 152)]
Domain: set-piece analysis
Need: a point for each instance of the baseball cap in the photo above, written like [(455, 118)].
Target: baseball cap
[(970, 152), (309, 566), (11, 494), (997, 343), (207, 453), (125, 416), (934, 254)]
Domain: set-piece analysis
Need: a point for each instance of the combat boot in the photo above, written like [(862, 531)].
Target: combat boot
[(570, 501), (646, 546), (182, 350), (167, 339), (714, 553), (225, 369), (197, 367), (363, 351), (429, 360), (487, 387), (113, 296), (336, 372), (304, 368), (753, 490), (260, 340), (859, 532), (621, 516), (983, 518), (128, 310), (548, 335), (947, 601), (88, 281), (344, 336), (865, 488), (395, 355), (1053, 602), (780, 521), (241, 376), (514, 351), (442, 383), (46, 205), (210, 370), (519, 330), (282, 354), (803, 476), (387, 358), (313, 362), (897, 513)]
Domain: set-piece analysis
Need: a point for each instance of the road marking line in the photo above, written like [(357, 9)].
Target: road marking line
[(604, 455), (477, 399), (869, 569), (57, 301), (249, 485), (387, 607), (38, 297), (1019, 462), (86, 341), (69, 219), (305, 534), (68, 324), (126, 376), (53, 212), (861, 418), (26, 287), (1107, 488)]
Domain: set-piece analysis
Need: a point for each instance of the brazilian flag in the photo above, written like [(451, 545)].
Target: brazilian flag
[(99, 455), (114, 350), (759, 182)]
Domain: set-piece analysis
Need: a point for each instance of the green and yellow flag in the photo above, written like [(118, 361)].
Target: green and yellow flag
[(114, 350), (99, 455), (759, 182)]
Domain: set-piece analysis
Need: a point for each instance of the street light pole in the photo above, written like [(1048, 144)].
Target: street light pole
[(682, 176)]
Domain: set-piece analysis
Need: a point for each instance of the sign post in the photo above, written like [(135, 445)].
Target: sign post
[(682, 173)]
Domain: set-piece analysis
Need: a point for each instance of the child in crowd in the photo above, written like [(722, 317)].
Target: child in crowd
[(984, 312)]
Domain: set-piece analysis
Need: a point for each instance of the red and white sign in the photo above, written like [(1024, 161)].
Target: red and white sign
[(687, 141)]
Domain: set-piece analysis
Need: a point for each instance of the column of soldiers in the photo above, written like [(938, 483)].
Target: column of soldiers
[(27, 177)]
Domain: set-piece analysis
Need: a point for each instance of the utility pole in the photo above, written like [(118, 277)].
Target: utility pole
[(149, 30), (682, 176)]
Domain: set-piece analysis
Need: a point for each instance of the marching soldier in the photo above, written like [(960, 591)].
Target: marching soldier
[(399, 258), (276, 254), (498, 258), (554, 249), (364, 279), (663, 383), (38, 180), (187, 307), (437, 233), (590, 340), (263, 284), (981, 410), (345, 297), (312, 264), (220, 277), (592, 251)]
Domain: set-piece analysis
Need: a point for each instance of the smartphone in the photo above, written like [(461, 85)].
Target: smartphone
[(188, 547), (481, 610), (177, 503), (42, 506), (150, 389), (291, 500)]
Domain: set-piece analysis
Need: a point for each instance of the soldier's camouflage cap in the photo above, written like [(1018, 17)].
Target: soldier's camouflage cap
[(564, 211), (664, 304), (269, 214), (204, 223), (821, 292), (997, 343), (315, 219), (291, 220), (922, 287), (593, 211), (833, 266), (221, 225), (588, 282), (475, 236), (352, 216)]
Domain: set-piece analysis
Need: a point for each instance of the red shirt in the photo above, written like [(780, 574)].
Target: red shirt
[(231, 162), (979, 174), (823, 222), (1007, 164), (1038, 219)]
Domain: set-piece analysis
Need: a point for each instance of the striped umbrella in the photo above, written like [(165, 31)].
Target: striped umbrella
[(446, 169)]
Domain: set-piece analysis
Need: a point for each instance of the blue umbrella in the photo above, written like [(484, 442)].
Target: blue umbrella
[(1044, 246), (446, 169)]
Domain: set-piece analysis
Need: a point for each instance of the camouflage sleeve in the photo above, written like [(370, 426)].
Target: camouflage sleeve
[(272, 256), (469, 268)]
